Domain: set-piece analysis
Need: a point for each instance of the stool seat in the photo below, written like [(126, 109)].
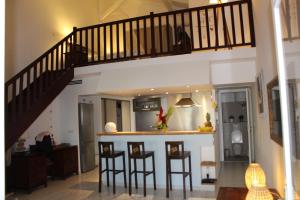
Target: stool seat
[(113, 154), (144, 154), (179, 155)]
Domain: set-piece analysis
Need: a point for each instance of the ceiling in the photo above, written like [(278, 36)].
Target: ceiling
[(158, 91), (112, 10)]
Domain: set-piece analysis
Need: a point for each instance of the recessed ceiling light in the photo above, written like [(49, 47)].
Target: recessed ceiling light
[(167, 92), (152, 89), (139, 95), (196, 90)]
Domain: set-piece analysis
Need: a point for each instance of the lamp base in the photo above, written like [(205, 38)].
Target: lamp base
[(208, 181)]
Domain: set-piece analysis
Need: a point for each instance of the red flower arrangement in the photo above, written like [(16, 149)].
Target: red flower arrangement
[(162, 122)]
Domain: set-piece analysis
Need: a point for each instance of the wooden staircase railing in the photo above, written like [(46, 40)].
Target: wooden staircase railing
[(210, 27), (30, 91)]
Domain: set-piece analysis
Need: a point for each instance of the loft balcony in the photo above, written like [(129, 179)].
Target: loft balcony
[(212, 27)]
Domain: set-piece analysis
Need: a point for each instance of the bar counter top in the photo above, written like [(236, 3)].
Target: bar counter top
[(194, 132)]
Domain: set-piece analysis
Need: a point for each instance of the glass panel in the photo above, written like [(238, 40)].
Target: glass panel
[(290, 21)]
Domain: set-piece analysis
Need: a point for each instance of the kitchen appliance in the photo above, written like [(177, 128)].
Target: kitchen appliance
[(145, 109), (86, 136)]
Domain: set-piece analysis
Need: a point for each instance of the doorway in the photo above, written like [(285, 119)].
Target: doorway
[(235, 124)]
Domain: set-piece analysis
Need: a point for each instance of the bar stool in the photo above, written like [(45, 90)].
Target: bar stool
[(175, 151), (107, 150), (136, 150)]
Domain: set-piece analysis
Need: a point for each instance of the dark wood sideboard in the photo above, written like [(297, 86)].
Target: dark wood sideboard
[(29, 170), (65, 160), (236, 193)]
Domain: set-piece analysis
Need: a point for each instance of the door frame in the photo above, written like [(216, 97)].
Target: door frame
[(250, 122)]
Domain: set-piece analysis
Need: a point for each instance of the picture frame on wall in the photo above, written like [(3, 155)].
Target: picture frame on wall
[(275, 111), (260, 99)]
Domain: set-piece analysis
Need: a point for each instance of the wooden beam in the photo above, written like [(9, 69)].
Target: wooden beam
[(180, 4), (168, 4), (111, 9)]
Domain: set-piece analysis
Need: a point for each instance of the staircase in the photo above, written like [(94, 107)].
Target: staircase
[(212, 27), (30, 91)]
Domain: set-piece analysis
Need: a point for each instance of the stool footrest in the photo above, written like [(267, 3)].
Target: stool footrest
[(110, 170), (185, 173), (141, 172)]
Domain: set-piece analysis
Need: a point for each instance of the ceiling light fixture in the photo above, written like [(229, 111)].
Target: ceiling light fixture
[(196, 90), (167, 92), (152, 89)]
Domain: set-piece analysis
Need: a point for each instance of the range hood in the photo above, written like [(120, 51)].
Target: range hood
[(185, 102)]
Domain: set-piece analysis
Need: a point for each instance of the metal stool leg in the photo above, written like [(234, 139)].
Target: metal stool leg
[(183, 175), (167, 177), (170, 175), (124, 171), (129, 163), (107, 172), (135, 174), (154, 174), (190, 174), (100, 174), (114, 175), (144, 175)]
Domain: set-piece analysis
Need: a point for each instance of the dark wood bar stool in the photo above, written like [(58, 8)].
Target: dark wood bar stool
[(107, 150), (175, 151), (136, 150)]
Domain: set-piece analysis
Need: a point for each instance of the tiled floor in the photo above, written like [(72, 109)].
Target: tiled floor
[(232, 174), (85, 187)]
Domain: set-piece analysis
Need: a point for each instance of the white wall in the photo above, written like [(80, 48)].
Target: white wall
[(47, 121), (268, 153), (33, 26)]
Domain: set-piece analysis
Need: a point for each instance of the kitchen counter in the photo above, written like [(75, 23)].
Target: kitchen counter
[(201, 145), (194, 132)]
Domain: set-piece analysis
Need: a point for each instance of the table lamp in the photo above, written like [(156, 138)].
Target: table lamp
[(255, 176), (255, 179), (259, 193)]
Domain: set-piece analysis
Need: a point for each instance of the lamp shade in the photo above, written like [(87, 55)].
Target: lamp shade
[(255, 176), (259, 193), (185, 102)]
